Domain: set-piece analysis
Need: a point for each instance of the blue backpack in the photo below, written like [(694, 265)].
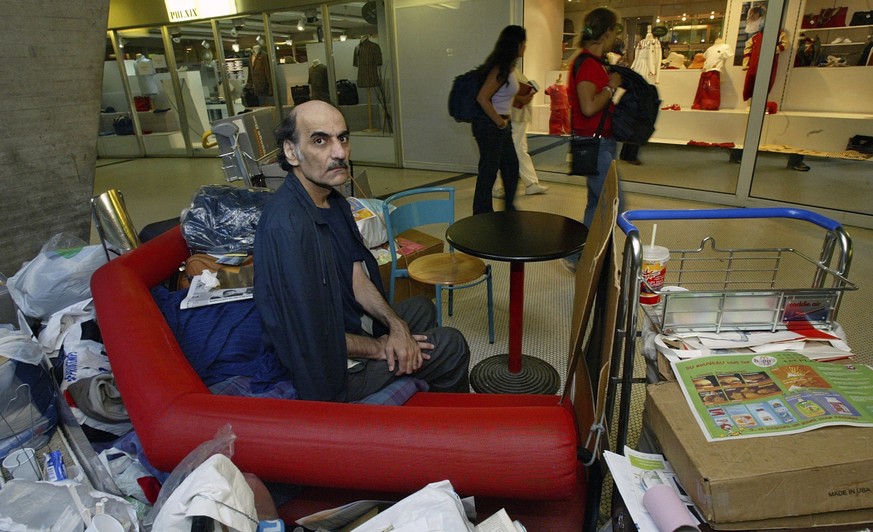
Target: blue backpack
[(463, 106)]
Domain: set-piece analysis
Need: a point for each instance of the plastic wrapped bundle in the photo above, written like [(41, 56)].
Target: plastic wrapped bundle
[(222, 219), (27, 404)]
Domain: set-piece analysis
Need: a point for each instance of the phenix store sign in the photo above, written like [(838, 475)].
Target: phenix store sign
[(184, 10)]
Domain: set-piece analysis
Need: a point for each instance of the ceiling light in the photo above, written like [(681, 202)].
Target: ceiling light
[(301, 24), (121, 42), (260, 40), (235, 47), (343, 37)]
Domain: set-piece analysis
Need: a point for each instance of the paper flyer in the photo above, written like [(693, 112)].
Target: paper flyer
[(635, 473), (772, 394)]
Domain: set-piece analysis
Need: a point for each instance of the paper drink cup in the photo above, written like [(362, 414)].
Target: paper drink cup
[(22, 464), (654, 271)]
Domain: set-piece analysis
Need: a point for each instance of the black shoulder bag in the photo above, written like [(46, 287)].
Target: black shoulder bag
[(584, 150)]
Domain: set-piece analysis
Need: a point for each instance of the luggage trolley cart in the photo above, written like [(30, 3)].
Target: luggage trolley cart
[(725, 289)]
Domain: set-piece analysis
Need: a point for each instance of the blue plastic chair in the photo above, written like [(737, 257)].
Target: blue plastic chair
[(445, 271)]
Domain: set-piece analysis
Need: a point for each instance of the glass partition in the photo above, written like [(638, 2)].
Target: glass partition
[(116, 136), (199, 78), (807, 154), (703, 117), (363, 74), (299, 50)]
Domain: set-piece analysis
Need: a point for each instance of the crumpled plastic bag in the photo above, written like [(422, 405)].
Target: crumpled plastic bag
[(216, 489), (29, 506), (368, 217), (56, 278), (434, 507), (222, 443), (222, 219)]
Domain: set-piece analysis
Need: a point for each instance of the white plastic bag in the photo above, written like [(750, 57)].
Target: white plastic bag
[(434, 507), (368, 217), (56, 278)]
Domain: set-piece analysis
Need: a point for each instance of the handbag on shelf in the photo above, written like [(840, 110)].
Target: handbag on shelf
[(861, 143), (862, 18), (810, 20), (584, 150), (832, 17)]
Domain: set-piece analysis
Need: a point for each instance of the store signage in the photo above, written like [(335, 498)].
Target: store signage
[(660, 31), (184, 10)]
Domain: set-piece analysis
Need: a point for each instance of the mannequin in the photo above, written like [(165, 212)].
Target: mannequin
[(755, 20), (647, 58), (708, 95), (145, 75), (755, 30), (368, 59), (647, 63), (259, 74), (559, 107), (318, 82)]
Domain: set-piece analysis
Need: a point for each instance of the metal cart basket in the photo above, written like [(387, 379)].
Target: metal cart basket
[(720, 289)]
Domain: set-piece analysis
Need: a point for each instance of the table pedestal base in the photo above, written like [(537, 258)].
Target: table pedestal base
[(536, 376)]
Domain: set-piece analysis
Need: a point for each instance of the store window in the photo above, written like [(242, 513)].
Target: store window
[(812, 149), (363, 78), (301, 60), (703, 117), (150, 123), (197, 68), (117, 132)]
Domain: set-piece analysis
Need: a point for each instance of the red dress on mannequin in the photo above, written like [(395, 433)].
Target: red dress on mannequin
[(559, 119)]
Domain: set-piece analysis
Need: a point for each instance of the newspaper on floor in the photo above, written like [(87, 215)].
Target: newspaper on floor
[(205, 290), (755, 395), (635, 473)]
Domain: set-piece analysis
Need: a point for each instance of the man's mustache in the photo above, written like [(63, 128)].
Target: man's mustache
[(338, 164)]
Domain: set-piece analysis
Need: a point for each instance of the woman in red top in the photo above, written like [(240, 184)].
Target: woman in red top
[(591, 90)]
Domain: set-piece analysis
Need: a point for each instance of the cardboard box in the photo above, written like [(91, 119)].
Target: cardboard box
[(421, 244), (816, 478)]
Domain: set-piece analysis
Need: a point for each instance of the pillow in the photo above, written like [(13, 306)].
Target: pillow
[(223, 341)]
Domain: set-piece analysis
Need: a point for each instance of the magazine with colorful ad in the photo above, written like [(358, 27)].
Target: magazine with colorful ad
[(747, 396)]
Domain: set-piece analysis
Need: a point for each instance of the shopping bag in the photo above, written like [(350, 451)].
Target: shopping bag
[(583, 155)]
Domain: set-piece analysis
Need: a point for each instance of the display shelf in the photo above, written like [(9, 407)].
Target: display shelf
[(838, 28), (829, 45)]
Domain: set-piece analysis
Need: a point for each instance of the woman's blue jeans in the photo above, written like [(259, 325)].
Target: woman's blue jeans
[(496, 152)]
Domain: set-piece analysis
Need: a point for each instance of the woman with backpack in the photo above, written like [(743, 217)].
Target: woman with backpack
[(591, 89), (492, 128)]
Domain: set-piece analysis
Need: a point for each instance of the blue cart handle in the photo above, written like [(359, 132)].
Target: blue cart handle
[(624, 219)]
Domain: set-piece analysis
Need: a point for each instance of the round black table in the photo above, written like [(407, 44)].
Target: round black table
[(516, 237)]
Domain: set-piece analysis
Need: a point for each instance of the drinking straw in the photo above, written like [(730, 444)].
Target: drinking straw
[(654, 232)]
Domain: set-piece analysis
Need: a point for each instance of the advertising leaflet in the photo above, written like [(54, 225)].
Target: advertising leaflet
[(747, 396), (635, 473)]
